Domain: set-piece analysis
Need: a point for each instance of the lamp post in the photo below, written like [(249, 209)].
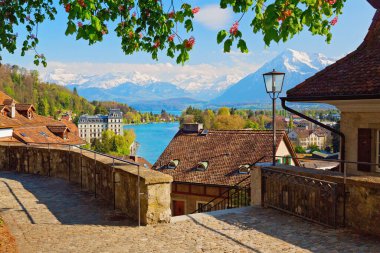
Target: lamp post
[(273, 83)]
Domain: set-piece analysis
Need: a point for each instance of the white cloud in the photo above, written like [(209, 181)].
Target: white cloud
[(213, 17), (190, 77)]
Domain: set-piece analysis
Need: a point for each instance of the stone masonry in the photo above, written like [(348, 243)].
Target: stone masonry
[(113, 181)]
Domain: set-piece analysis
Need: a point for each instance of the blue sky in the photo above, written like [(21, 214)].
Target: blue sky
[(63, 52)]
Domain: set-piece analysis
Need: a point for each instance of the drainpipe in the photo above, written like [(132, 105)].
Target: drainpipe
[(342, 137)]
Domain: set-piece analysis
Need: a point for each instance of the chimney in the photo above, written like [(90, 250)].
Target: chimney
[(192, 127), (135, 158), (13, 109)]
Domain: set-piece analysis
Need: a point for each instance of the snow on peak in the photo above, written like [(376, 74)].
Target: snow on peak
[(302, 62)]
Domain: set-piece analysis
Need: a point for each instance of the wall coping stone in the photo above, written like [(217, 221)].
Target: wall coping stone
[(334, 176)]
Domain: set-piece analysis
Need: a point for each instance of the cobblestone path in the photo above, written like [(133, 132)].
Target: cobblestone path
[(51, 215)]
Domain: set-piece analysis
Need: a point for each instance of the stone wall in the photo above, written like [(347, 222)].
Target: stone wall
[(113, 181), (361, 204)]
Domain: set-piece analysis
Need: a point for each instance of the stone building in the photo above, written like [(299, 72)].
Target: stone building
[(20, 123), (206, 163), (91, 127), (352, 84), (306, 138)]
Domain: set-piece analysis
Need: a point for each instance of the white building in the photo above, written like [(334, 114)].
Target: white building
[(91, 127)]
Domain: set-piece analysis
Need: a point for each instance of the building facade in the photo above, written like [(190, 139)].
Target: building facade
[(205, 164), (352, 84), (306, 138), (91, 127)]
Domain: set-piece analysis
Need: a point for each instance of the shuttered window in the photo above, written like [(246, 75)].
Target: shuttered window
[(364, 148)]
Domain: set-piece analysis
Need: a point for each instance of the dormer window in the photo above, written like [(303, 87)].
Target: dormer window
[(202, 166), (244, 169), (173, 164)]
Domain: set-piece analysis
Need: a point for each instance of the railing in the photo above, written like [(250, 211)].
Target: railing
[(237, 196), (310, 198), (76, 148)]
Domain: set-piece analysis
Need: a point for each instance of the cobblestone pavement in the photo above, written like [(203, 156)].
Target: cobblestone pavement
[(51, 215)]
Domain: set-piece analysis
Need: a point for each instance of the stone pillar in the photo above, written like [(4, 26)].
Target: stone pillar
[(256, 186)]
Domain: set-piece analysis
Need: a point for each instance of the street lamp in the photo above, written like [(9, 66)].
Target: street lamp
[(273, 83)]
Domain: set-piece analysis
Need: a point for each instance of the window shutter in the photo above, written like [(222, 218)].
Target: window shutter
[(364, 148)]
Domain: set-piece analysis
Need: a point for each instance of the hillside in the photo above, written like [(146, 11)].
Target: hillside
[(297, 65), (25, 87)]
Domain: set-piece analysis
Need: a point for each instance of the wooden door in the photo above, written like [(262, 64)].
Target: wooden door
[(364, 148), (178, 207)]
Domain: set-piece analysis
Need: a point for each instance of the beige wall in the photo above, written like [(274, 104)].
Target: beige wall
[(350, 123), (283, 151)]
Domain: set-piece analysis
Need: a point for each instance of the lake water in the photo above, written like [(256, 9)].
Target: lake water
[(153, 138)]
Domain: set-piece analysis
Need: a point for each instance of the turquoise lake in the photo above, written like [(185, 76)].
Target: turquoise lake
[(153, 138)]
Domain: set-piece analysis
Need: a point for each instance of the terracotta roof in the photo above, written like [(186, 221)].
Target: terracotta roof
[(357, 74), (41, 134), (32, 128), (4, 98), (58, 128), (224, 151), (24, 107)]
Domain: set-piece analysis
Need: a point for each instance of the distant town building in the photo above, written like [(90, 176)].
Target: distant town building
[(91, 126), (206, 163), (21, 123), (305, 137)]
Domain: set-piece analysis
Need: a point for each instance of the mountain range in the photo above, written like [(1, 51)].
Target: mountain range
[(146, 92)]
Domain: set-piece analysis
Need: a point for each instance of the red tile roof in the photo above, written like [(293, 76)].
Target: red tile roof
[(29, 130), (225, 151), (357, 74), (24, 107)]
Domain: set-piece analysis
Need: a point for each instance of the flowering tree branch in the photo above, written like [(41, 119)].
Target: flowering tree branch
[(162, 25)]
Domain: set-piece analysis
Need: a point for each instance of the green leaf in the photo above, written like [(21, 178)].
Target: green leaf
[(188, 25), (71, 28), (243, 46), (221, 36), (227, 45)]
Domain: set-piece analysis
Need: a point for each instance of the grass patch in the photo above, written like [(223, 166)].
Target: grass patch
[(1, 222)]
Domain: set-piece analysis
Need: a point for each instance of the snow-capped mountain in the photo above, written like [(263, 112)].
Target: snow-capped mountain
[(105, 81), (297, 65)]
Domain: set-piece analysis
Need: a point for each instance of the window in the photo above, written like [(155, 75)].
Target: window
[(173, 164), (202, 166), (244, 169), (202, 206)]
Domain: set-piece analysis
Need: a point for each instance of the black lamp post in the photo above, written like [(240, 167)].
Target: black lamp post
[(273, 83)]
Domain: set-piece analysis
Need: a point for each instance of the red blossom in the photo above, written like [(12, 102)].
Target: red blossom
[(195, 10), (171, 14), (156, 44), (81, 3), (134, 14), (141, 35), (234, 28), (121, 8), (80, 24), (68, 7), (334, 20), (331, 2), (171, 37), (104, 32), (190, 42)]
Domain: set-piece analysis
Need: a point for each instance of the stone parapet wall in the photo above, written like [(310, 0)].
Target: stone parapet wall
[(362, 199), (111, 180)]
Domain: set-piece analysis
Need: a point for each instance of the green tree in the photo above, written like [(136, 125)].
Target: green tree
[(224, 111), (300, 150), (313, 148), (252, 125), (153, 26), (228, 122)]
